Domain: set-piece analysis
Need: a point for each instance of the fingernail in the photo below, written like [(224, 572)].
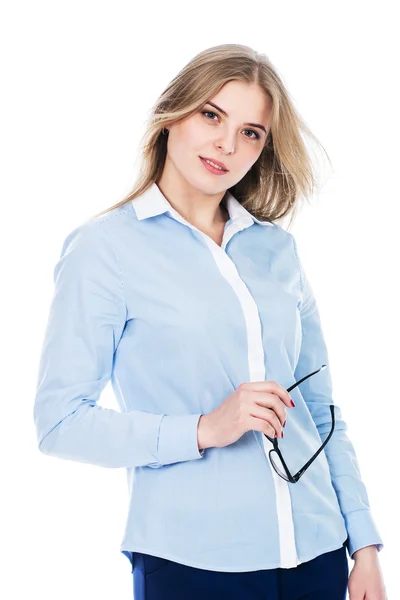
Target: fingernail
[(282, 433), (284, 423), (293, 404)]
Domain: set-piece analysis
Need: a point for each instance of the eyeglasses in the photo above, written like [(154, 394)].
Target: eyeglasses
[(275, 455)]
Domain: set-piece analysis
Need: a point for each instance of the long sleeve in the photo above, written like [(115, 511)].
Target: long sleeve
[(86, 321), (317, 392)]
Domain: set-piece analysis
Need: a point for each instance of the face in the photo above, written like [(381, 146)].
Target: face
[(227, 138)]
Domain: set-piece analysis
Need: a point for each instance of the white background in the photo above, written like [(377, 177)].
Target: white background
[(78, 79)]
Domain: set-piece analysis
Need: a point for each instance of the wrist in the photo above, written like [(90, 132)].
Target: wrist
[(204, 433), (366, 553)]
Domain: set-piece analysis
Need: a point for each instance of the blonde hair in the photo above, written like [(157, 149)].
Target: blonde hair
[(282, 174)]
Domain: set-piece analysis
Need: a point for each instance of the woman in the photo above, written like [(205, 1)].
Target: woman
[(194, 302)]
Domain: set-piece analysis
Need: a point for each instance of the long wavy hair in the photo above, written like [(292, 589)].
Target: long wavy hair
[(283, 174)]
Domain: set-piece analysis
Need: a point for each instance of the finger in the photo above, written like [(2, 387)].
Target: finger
[(259, 424), (273, 402), (274, 388), (269, 416)]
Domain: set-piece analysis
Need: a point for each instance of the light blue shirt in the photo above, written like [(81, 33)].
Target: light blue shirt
[(177, 322)]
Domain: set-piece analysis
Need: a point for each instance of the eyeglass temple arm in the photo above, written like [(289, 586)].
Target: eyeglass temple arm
[(332, 409), (305, 377)]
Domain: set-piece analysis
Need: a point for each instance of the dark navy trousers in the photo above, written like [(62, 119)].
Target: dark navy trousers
[(322, 578)]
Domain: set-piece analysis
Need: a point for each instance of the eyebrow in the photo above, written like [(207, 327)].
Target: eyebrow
[(226, 114)]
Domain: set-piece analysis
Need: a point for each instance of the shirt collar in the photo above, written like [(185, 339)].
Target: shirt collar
[(153, 202)]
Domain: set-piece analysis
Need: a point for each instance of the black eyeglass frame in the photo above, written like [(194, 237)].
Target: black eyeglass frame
[(294, 478)]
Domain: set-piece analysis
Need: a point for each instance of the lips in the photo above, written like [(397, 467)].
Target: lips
[(216, 162)]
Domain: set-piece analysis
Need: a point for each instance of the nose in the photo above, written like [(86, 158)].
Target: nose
[(226, 141), (223, 146)]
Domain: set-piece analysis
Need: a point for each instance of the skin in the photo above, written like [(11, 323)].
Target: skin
[(366, 579), (197, 194), (192, 190)]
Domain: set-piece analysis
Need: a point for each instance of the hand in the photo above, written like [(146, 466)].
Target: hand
[(257, 405), (366, 580)]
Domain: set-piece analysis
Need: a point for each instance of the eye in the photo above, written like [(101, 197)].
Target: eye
[(256, 134), (210, 112)]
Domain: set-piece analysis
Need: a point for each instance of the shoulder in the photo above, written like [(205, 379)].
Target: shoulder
[(94, 236), (284, 236), (279, 238)]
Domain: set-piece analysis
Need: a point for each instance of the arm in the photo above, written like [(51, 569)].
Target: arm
[(339, 451), (85, 324)]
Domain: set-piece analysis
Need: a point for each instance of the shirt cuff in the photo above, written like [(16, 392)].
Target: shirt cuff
[(362, 531), (177, 440)]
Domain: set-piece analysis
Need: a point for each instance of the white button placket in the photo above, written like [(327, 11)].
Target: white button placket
[(227, 267)]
